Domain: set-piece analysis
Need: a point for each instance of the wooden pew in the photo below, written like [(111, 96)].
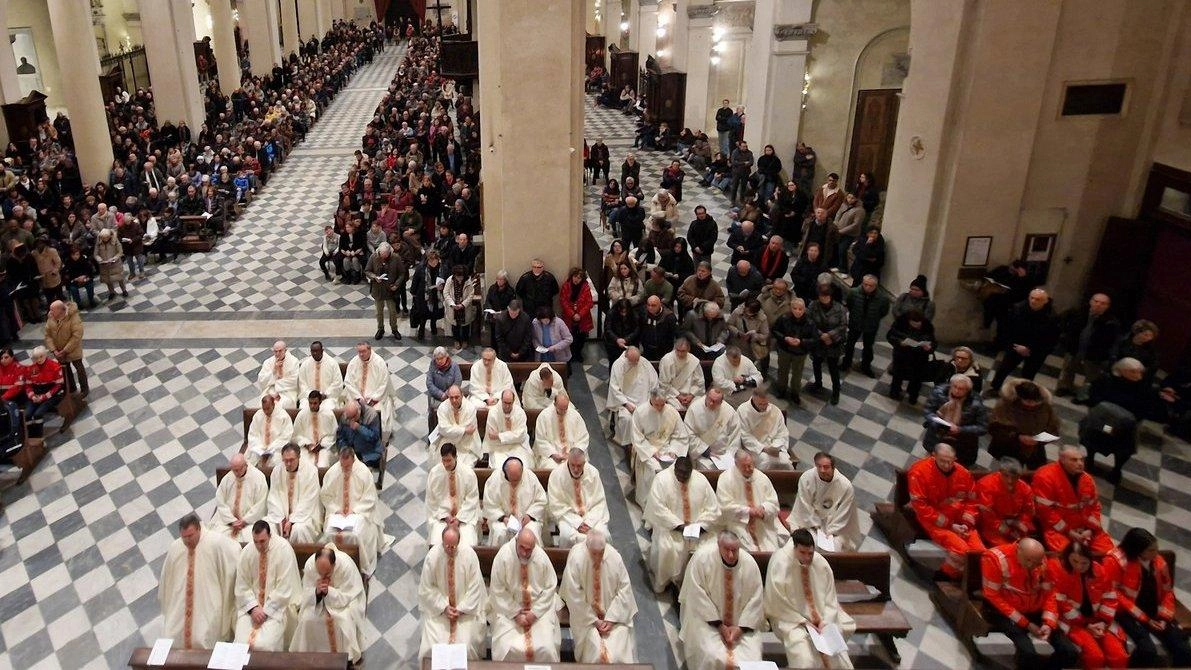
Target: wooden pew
[(386, 437), (784, 481), (483, 474), (877, 614), (558, 559), (197, 659), (506, 665), (521, 370)]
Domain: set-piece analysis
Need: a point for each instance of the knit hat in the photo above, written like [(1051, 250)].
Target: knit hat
[(920, 282)]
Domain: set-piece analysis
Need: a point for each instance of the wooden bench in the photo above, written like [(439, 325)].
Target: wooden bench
[(521, 370), (857, 576), (197, 659), (386, 436), (558, 559), (507, 665)]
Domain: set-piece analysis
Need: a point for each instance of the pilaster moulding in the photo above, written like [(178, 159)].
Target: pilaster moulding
[(736, 14), (696, 12), (787, 32), (648, 3)]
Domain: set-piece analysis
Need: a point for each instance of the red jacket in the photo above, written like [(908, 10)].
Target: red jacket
[(1061, 508), (12, 381), (998, 505), (1015, 591), (43, 381), (1069, 595), (940, 500), (582, 307), (1125, 577)]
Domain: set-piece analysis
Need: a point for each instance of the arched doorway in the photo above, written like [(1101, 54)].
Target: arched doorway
[(876, 91), (397, 10)]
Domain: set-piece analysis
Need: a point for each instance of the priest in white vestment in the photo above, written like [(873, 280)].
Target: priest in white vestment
[(348, 491), (763, 432), (749, 505), (513, 500), (826, 503), (558, 430), (659, 436), (575, 496), (198, 581), (523, 603), (489, 377), (320, 372), (314, 430), (294, 507), (240, 500), (800, 593), (271, 429), (681, 375), (452, 498), (684, 514), (268, 587), (629, 384), (736, 375), (722, 606), (331, 610), (506, 432), (457, 425), (599, 597), (367, 380), (540, 388), (715, 431), (452, 598), (278, 377)]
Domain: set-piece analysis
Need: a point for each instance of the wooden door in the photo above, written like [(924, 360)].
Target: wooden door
[(872, 134), (1166, 300)]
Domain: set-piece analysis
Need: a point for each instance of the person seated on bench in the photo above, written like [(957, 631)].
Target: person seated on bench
[(360, 429), (722, 606), (1006, 505), (558, 431), (541, 387), (320, 372), (680, 497), (314, 430), (240, 500), (506, 432), (1141, 578), (348, 491), (278, 377), (331, 610), (268, 588), (800, 594), (293, 505), (629, 383), (681, 375), (1087, 608), (714, 426), (763, 432), (270, 430), (955, 414), (1067, 504), (599, 597), (1024, 410), (442, 375), (490, 376), (575, 497), (197, 582), (367, 380), (513, 501), (522, 603), (736, 374), (452, 598), (1020, 590), (749, 505), (827, 503), (453, 498), (943, 499), (458, 425), (44, 385), (658, 437)]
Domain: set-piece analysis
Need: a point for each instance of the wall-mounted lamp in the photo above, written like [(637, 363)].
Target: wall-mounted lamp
[(661, 32), (715, 60), (624, 26)]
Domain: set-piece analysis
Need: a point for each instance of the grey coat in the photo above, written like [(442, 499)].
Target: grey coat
[(833, 320)]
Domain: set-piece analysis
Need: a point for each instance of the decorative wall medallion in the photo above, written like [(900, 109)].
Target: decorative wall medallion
[(917, 148)]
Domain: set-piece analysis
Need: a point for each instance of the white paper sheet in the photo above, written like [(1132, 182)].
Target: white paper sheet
[(722, 462), (345, 522), (1046, 437), (161, 650), (826, 542), (941, 422), (448, 657), (691, 531), (756, 665), (513, 525), (718, 346), (228, 656), (434, 435), (830, 641)]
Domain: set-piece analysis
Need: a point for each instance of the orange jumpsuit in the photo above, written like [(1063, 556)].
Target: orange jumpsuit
[(940, 501), (1015, 591), (1125, 576), (1109, 649), (1002, 510), (1062, 508)]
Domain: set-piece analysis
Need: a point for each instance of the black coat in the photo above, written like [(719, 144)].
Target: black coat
[(703, 235), (910, 362), (657, 333), (1036, 329), (513, 336), (1105, 331), (804, 329)]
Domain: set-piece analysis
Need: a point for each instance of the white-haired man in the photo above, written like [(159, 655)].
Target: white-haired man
[(278, 377), (629, 385), (599, 596)]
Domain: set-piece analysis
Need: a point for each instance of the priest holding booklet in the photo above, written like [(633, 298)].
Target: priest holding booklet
[(803, 608)]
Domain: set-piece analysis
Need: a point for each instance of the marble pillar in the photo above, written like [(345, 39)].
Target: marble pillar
[(259, 26), (169, 50), (533, 144), (631, 18), (774, 77), (290, 40), (74, 41), (680, 36), (323, 7), (10, 86), (647, 29), (697, 59), (223, 42), (307, 20)]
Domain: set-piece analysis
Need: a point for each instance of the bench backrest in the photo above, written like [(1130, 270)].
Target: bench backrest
[(521, 370), (304, 550), (901, 485), (557, 556), (250, 412), (868, 568), (483, 474), (220, 473), (531, 420)]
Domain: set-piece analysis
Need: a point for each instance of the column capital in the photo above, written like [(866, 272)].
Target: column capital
[(737, 14), (695, 12), (648, 3), (786, 32)]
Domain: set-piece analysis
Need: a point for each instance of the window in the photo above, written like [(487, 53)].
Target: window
[(1095, 99)]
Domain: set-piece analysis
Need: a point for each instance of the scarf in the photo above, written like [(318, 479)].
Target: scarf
[(576, 289)]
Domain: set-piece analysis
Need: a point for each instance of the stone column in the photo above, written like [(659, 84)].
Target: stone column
[(258, 26), (323, 7), (774, 76), (74, 40), (531, 139), (632, 18), (10, 86), (169, 50), (647, 29), (698, 64), (203, 23), (680, 36), (290, 40), (223, 42), (460, 7), (307, 20)]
